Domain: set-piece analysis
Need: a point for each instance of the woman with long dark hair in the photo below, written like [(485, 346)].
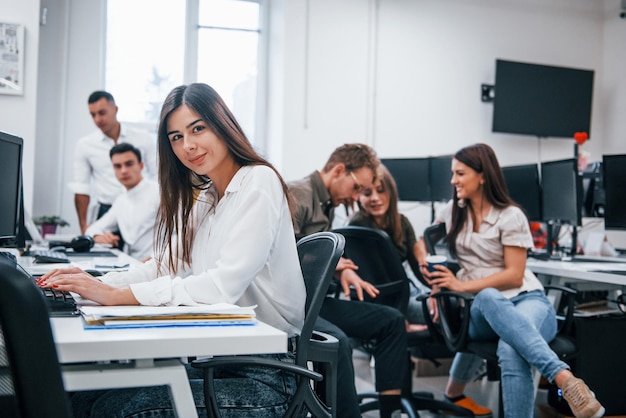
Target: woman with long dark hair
[(489, 235), (378, 208), (224, 234)]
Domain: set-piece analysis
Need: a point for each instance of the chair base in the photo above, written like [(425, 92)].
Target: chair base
[(417, 401)]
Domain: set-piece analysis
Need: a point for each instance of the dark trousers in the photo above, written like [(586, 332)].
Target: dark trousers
[(102, 209), (346, 319)]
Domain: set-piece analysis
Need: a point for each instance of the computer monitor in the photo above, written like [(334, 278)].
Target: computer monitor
[(411, 176), (561, 191), (522, 182), (593, 191), (614, 176), (440, 175), (10, 186)]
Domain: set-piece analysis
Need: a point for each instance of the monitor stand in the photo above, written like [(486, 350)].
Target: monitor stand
[(432, 212), (554, 227)]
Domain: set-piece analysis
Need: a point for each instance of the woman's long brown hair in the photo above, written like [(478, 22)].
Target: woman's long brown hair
[(179, 186), (391, 219), (482, 159)]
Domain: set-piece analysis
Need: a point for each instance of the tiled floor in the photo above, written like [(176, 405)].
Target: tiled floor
[(483, 392)]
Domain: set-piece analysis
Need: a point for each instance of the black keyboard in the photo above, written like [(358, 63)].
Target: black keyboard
[(48, 257), (9, 258), (60, 303)]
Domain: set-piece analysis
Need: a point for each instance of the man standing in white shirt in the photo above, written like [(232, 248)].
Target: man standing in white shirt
[(133, 212), (93, 174)]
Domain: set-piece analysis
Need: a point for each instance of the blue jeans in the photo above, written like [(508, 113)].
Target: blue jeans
[(522, 324), (241, 392)]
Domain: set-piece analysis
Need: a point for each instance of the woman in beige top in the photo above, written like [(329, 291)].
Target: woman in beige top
[(489, 235)]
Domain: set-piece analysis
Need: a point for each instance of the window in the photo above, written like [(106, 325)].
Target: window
[(145, 46), (228, 39), (145, 57)]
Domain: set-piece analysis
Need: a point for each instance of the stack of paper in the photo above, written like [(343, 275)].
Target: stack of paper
[(221, 314)]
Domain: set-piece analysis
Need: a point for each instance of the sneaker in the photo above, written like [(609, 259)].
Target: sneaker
[(469, 403), (581, 400)]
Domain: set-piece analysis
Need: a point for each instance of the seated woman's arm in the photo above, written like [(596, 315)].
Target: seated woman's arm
[(510, 277)]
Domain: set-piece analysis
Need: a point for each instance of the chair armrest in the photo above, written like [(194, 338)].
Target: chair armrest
[(396, 294), (566, 319), (432, 327), (322, 339), (322, 347), (256, 361), (390, 288), (208, 365), (454, 316)]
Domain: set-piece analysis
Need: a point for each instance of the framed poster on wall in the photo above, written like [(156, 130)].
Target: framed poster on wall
[(11, 58)]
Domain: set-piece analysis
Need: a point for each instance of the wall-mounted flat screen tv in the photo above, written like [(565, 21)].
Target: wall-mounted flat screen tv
[(542, 100)]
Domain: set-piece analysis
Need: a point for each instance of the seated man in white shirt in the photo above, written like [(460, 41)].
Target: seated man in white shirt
[(133, 212)]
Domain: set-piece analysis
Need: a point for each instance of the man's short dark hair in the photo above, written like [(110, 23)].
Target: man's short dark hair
[(125, 147), (100, 94)]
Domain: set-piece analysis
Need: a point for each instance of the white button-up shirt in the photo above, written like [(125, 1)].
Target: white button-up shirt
[(133, 213), (93, 171), (244, 253)]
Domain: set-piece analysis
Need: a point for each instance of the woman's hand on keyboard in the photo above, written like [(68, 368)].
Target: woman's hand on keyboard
[(78, 281)]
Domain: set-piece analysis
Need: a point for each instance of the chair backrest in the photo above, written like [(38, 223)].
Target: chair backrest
[(319, 254), (379, 263), (433, 238), (32, 366), (433, 235)]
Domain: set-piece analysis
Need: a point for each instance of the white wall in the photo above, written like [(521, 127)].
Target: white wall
[(402, 75), (51, 95), (612, 91), (18, 114), (72, 66)]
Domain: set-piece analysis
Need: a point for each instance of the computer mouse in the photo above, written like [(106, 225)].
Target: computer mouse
[(57, 249), (94, 273)]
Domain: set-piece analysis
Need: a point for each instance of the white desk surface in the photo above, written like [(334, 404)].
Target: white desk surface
[(75, 344), (584, 271), (81, 260), (152, 352)]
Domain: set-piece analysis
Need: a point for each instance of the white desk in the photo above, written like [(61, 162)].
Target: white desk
[(82, 260), (153, 353), (583, 272), (150, 356)]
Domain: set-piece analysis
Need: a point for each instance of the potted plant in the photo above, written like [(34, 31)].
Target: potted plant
[(49, 223)]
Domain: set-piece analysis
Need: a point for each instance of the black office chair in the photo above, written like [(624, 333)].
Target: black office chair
[(379, 263), (319, 254), (433, 237), (454, 316), (31, 385)]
